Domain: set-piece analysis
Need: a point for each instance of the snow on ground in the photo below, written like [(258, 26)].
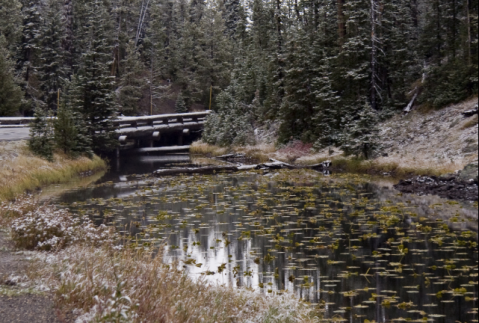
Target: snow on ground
[(442, 138)]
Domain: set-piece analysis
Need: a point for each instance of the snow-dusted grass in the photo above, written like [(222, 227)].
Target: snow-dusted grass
[(103, 282), (439, 139), (36, 226), (21, 171), (106, 285)]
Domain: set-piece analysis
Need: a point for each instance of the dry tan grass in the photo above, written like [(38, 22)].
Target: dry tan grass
[(261, 152), (202, 148), (327, 153), (471, 122), (389, 165), (139, 287), (21, 171)]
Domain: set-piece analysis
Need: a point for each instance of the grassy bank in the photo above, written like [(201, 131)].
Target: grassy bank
[(379, 167), (21, 171), (399, 167), (260, 153)]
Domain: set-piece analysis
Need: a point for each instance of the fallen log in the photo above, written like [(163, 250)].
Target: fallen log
[(196, 170), (168, 149), (215, 169), (470, 113), (231, 156)]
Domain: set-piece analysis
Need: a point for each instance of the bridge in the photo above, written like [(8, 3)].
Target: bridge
[(166, 130)]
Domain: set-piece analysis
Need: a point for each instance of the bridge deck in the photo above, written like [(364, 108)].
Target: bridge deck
[(142, 127)]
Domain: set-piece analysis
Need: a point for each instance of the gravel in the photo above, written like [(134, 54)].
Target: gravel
[(24, 308)]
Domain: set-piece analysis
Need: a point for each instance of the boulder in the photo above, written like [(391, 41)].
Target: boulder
[(469, 172)]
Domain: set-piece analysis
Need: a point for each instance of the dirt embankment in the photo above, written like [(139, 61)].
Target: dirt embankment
[(444, 138)]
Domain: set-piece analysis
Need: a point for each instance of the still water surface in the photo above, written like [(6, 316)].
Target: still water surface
[(347, 244)]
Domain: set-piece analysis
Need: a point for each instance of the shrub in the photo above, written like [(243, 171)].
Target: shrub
[(44, 227)]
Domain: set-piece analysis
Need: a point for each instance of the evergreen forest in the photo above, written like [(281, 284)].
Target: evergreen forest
[(324, 71)]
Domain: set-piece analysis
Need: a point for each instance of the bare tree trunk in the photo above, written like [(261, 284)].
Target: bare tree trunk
[(408, 108)]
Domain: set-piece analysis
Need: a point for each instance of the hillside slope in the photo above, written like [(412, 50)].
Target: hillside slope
[(439, 138)]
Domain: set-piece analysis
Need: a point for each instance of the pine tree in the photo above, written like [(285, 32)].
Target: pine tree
[(74, 102), (232, 16), (157, 47), (11, 18), (360, 135), (400, 65), (80, 31), (95, 83), (52, 63), (10, 92), (28, 50), (41, 140), (297, 107), (65, 130), (327, 119), (231, 125), (180, 105), (132, 81)]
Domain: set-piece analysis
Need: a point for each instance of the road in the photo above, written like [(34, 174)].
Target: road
[(14, 133)]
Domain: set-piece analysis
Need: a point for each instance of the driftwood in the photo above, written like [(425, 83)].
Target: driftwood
[(196, 170), (274, 164), (408, 108), (229, 156), (167, 149), (470, 113)]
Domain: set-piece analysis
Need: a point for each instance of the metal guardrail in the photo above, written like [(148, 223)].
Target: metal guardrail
[(15, 120), (161, 118), (126, 121)]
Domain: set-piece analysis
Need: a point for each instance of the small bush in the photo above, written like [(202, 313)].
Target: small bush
[(37, 226)]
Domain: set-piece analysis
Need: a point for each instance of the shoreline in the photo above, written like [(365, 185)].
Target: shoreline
[(23, 172), (340, 163)]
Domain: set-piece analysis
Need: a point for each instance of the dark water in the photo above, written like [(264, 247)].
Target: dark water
[(344, 243)]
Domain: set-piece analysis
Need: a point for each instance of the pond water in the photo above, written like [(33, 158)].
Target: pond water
[(350, 245)]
